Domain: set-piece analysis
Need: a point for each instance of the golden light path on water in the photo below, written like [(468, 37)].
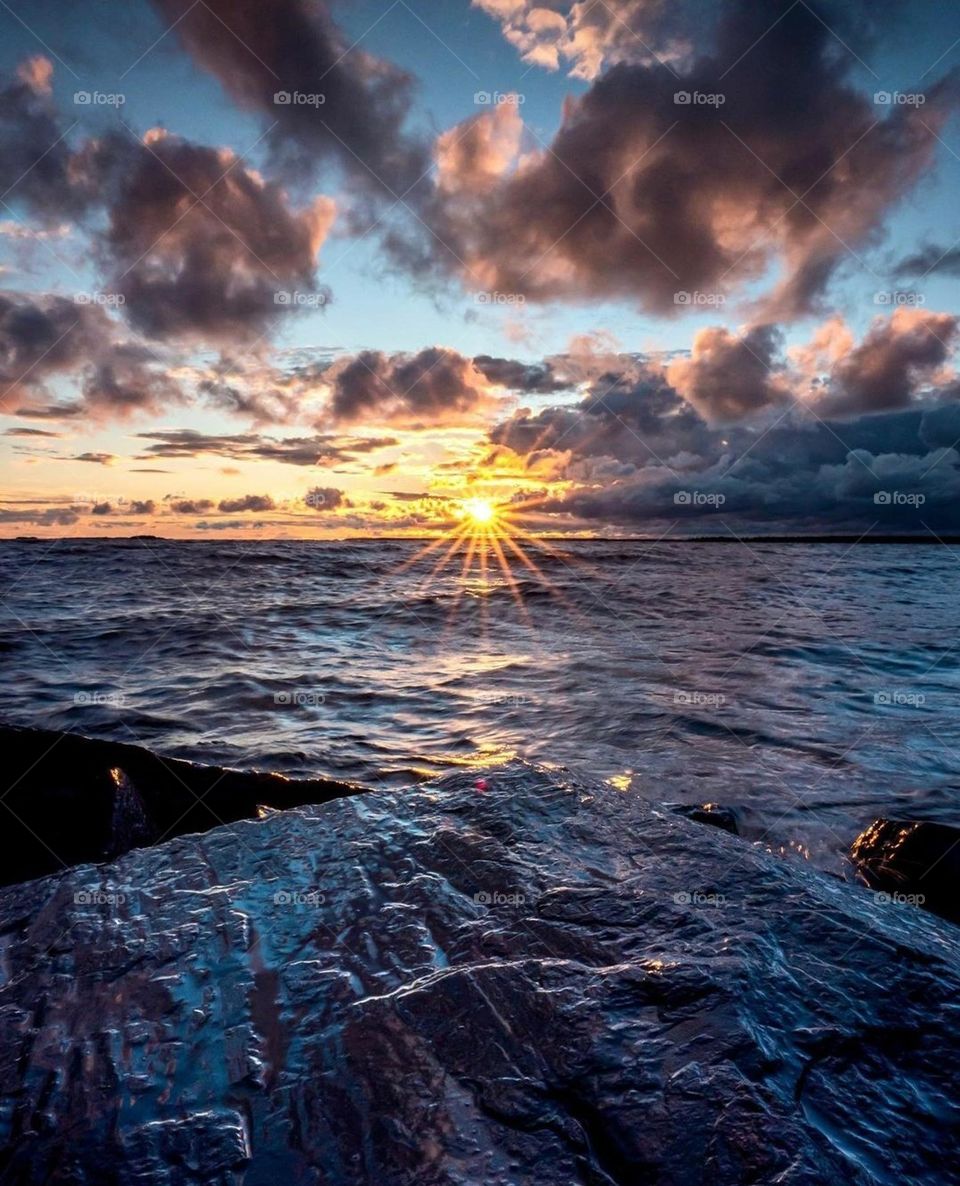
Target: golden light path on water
[(487, 544)]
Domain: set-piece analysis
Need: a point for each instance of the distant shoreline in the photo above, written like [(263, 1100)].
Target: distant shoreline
[(851, 540)]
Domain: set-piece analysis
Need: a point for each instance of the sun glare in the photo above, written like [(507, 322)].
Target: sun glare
[(479, 511), (486, 540)]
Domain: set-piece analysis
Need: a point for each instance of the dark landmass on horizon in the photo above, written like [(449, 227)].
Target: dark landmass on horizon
[(885, 538)]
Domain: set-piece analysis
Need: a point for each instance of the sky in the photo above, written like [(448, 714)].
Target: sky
[(619, 267)]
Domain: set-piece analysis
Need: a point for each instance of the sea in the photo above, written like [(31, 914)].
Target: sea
[(809, 687)]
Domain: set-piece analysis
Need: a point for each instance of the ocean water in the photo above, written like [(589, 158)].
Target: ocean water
[(811, 687)]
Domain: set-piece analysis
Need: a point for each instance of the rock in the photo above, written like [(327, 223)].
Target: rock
[(913, 861), (544, 984), (73, 799), (711, 813)]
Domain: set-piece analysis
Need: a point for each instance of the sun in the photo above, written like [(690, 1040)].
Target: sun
[(479, 511), (489, 539)]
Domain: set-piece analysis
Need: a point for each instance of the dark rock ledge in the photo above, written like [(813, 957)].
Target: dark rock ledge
[(67, 799), (540, 983)]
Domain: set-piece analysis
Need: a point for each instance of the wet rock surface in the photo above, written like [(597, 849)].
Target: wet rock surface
[(69, 799), (711, 813), (914, 859), (542, 982)]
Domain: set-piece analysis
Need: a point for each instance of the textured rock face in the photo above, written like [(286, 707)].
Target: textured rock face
[(540, 983)]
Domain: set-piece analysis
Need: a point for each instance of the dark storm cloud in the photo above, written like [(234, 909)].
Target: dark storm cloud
[(249, 502), (631, 416), (275, 56), (644, 198), (874, 441), (436, 385), (800, 475)]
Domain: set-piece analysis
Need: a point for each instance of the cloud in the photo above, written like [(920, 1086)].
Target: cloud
[(321, 450), (198, 244), (474, 155), (190, 506), (45, 336), (29, 127), (668, 204), (729, 376), (527, 378), (931, 260), (436, 385), (889, 368), (585, 37), (864, 433), (249, 502), (57, 411), (324, 498), (93, 458), (293, 48), (41, 516), (191, 241)]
